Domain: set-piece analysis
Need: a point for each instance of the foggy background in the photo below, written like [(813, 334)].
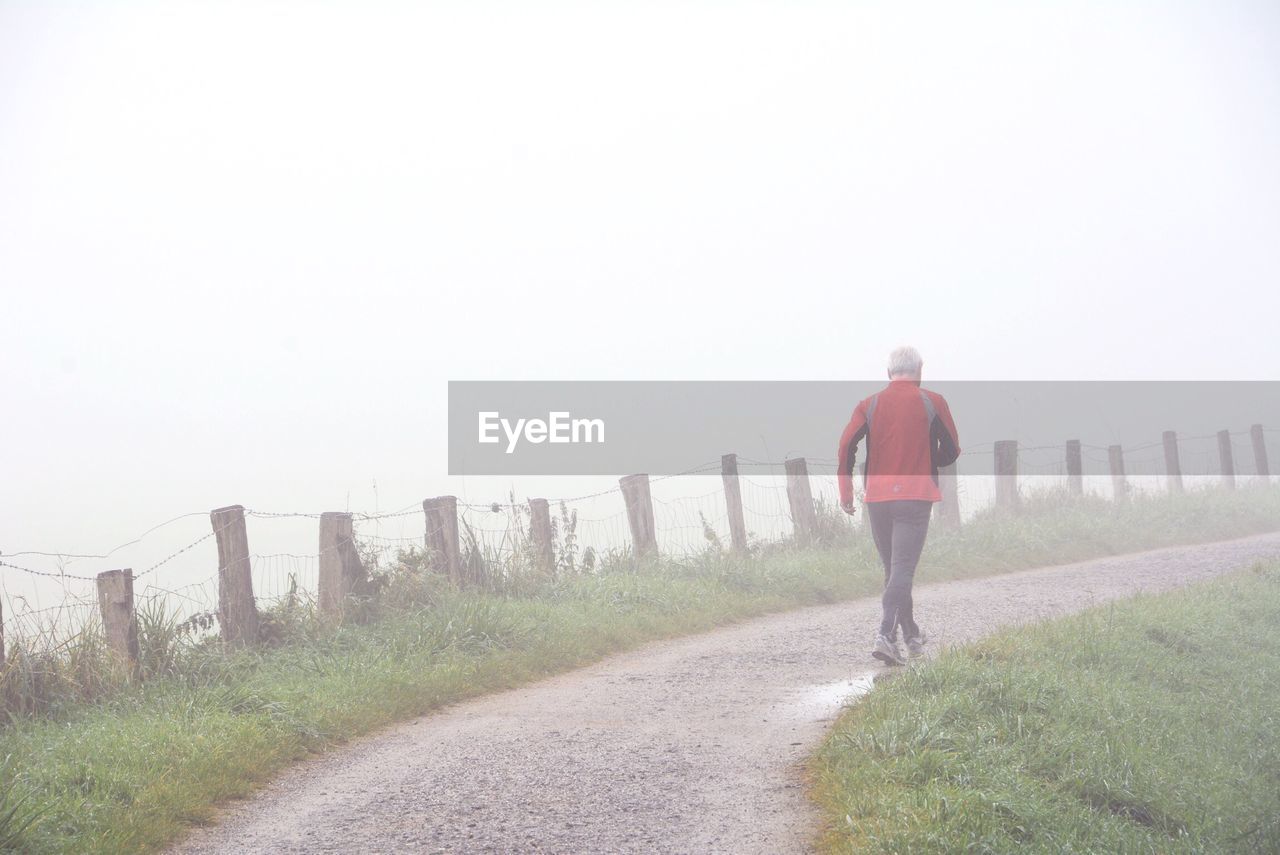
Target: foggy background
[(244, 246)]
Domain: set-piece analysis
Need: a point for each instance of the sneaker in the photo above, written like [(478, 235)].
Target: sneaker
[(887, 652), (915, 645)]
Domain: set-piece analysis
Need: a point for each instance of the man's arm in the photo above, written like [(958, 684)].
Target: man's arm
[(847, 454), (942, 434)]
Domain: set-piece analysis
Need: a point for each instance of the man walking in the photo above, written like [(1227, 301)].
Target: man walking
[(910, 434)]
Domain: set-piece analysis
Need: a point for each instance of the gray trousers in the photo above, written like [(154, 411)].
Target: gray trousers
[(899, 530)]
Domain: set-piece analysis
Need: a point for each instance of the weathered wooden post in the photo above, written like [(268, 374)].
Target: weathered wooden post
[(1225, 457), (1006, 459), (540, 529), (635, 492), (1119, 486), (733, 501), (804, 517), (341, 571), (1259, 456), (442, 535), (1075, 468), (237, 612), (1172, 464), (119, 621)]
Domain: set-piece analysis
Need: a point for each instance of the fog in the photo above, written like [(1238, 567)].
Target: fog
[(244, 246)]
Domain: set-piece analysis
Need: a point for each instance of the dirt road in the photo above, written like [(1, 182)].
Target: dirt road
[(689, 745)]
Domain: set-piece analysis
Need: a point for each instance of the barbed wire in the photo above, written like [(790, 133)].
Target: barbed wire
[(375, 517), (175, 554), (109, 553), (700, 469), (58, 575), (408, 510), (281, 514), (491, 507)]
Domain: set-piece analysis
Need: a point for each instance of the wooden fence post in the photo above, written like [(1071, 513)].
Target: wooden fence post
[(1259, 456), (800, 497), (1075, 468), (1172, 464), (119, 622), (2, 651), (1119, 486), (540, 528), (441, 537), (1006, 455), (1225, 457), (733, 501), (341, 571), (635, 492), (237, 612)]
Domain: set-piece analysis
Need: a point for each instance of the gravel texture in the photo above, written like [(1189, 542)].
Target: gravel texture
[(690, 745)]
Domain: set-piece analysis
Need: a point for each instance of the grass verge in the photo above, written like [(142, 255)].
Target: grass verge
[(134, 770), (1150, 725)]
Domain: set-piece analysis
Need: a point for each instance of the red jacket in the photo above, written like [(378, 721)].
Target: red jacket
[(909, 434)]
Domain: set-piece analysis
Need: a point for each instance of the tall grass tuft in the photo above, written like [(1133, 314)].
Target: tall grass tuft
[(17, 810), (55, 669)]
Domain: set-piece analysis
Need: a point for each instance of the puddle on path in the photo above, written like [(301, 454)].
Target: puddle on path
[(820, 702)]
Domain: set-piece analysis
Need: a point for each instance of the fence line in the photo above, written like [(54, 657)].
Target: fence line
[(458, 534)]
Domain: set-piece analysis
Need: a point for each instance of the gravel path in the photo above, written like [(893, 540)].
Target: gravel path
[(690, 745)]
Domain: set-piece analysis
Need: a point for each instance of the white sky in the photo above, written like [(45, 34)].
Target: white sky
[(243, 246)]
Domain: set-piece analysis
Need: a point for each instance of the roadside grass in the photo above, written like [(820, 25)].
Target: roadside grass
[(131, 770), (1150, 725)]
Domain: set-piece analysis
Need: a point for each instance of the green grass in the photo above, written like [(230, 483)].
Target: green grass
[(134, 768), (1152, 725)]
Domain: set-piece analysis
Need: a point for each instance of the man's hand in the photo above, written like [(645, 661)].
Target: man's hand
[(848, 507)]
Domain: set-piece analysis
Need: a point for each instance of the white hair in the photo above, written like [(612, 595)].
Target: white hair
[(905, 360)]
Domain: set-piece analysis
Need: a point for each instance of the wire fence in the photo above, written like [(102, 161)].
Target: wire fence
[(179, 570)]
